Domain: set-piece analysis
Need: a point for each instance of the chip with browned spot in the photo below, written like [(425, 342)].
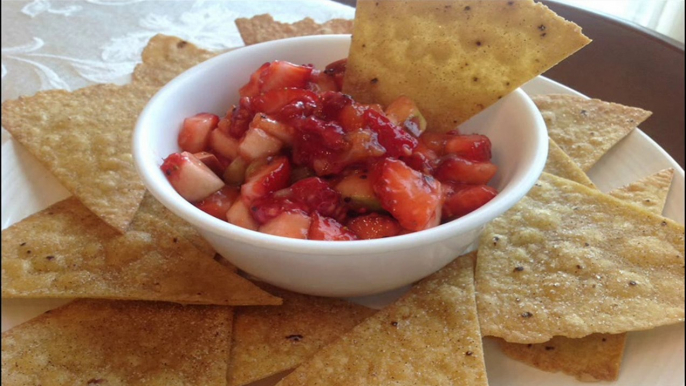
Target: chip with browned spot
[(65, 251), (596, 357), (263, 28), (587, 128), (453, 58), (568, 260), (271, 340), (429, 337), (110, 342)]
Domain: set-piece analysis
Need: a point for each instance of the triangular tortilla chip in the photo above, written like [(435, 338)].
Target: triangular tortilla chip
[(151, 206), (561, 165), (568, 260), (165, 57), (66, 251), (263, 28), (597, 357), (453, 58), (587, 128), (270, 340), (100, 342), (84, 139), (649, 193), (428, 337)]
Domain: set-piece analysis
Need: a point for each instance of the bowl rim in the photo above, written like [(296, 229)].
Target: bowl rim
[(182, 208)]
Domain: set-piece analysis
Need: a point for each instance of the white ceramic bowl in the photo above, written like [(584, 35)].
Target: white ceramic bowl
[(336, 268)]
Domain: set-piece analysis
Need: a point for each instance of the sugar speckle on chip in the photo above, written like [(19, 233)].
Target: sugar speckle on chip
[(453, 58), (111, 342), (598, 265)]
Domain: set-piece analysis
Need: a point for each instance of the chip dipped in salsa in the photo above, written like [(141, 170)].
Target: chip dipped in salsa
[(298, 158)]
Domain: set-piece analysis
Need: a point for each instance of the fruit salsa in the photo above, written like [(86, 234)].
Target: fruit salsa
[(298, 158)]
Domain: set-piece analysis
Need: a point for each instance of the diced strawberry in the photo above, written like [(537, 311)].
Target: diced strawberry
[(257, 143), (463, 199), (252, 88), (374, 226), (405, 113), (285, 133), (319, 197), (337, 70), (219, 202), (321, 141), (271, 177), (241, 116), (286, 104), (239, 214), (190, 177), (332, 103), (322, 82), (410, 196), (211, 161), (461, 170), (266, 208), (223, 144), (474, 147), (434, 142), (294, 224), (364, 145), (422, 159), (325, 228), (396, 140), (282, 74), (351, 117), (195, 132)]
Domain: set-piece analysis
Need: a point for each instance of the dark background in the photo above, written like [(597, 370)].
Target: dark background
[(626, 64)]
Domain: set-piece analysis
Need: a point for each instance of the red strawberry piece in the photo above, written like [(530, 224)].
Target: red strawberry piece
[(239, 214), (337, 70), (190, 177), (252, 88), (395, 139), (351, 117), (223, 144), (317, 145), (282, 74), (286, 104), (241, 116), (461, 170), (325, 228), (374, 226), (195, 132), (294, 224), (322, 82), (273, 176), (422, 159), (463, 199), (319, 197), (219, 202), (211, 161), (434, 142), (266, 208), (332, 103), (257, 143), (410, 196), (474, 147)]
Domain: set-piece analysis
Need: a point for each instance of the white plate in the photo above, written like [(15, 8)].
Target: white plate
[(654, 357)]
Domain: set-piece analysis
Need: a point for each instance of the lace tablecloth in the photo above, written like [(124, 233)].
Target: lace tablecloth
[(71, 44)]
